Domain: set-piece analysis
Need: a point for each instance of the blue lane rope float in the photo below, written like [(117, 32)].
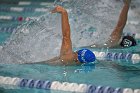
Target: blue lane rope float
[(62, 86), (135, 58), (7, 29), (23, 9), (39, 84)]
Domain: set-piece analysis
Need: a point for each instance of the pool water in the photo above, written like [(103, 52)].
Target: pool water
[(114, 73), (102, 73), (4, 36)]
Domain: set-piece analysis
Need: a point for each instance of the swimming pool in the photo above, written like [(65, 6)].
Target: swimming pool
[(114, 73)]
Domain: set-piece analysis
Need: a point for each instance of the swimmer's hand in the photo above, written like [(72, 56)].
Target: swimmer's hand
[(58, 9)]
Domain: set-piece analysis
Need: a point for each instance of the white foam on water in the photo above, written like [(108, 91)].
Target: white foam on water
[(34, 41)]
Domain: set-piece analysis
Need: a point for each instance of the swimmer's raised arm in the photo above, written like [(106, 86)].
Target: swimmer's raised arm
[(123, 15), (117, 32), (67, 56), (66, 53)]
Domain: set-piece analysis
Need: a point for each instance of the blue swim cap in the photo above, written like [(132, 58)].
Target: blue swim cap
[(86, 56)]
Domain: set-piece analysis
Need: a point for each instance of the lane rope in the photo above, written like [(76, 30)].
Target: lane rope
[(62, 86)]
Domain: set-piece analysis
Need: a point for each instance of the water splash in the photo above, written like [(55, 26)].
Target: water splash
[(34, 41), (92, 21), (100, 15)]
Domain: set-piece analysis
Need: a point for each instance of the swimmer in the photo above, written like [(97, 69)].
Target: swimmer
[(67, 56), (116, 39)]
